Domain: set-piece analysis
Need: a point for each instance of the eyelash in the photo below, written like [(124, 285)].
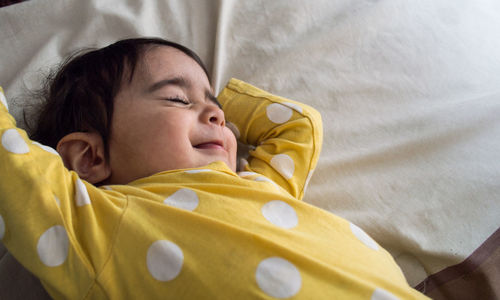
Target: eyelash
[(178, 100), (181, 100)]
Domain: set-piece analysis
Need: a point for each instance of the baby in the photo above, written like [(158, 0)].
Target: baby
[(154, 207)]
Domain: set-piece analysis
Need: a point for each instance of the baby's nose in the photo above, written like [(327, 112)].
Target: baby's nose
[(214, 115)]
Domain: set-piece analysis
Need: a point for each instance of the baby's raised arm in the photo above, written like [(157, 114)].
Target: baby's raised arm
[(47, 220), (287, 135)]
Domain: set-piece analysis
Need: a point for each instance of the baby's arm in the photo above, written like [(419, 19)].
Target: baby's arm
[(47, 219), (287, 135)]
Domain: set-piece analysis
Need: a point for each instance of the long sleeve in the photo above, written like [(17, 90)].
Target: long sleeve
[(47, 218), (192, 233), (286, 135)]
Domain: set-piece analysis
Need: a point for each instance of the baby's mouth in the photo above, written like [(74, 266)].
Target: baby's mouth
[(210, 145)]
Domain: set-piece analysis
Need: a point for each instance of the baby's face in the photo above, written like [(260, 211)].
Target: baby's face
[(167, 118)]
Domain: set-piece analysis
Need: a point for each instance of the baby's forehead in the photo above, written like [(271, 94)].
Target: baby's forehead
[(161, 63), (156, 60), (155, 57)]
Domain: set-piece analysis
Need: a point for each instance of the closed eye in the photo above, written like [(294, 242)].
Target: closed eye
[(178, 100)]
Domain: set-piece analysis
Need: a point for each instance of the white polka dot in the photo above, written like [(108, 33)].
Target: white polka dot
[(265, 179), (2, 227), (57, 200), (234, 129), (284, 165), (293, 106), (197, 171), (46, 148), (278, 278), (53, 246), (381, 294), (246, 174), (3, 100), (82, 196), (308, 179), (183, 198), (13, 142), (278, 113), (280, 214), (363, 237), (164, 260)]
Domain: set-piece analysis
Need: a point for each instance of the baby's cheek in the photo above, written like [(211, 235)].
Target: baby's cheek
[(231, 147)]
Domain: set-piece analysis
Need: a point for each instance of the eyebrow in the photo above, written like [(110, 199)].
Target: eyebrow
[(181, 82)]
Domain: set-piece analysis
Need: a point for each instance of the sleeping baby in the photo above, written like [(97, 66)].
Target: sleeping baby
[(132, 191)]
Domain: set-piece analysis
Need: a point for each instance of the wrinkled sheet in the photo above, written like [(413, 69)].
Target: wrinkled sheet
[(409, 92)]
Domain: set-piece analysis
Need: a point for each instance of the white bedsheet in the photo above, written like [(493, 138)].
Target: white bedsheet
[(409, 92)]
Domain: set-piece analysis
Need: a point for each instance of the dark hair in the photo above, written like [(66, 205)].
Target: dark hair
[(79, 96)]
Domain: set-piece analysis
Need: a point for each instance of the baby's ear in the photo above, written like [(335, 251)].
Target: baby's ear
[(83, 152)]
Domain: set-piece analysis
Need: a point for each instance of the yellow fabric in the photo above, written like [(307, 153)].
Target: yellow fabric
[(204, 233)]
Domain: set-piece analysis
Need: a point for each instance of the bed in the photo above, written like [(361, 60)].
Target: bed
[(409, 93)]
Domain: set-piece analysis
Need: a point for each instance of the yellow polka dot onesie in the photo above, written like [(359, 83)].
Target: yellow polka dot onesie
[(201, 233)]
